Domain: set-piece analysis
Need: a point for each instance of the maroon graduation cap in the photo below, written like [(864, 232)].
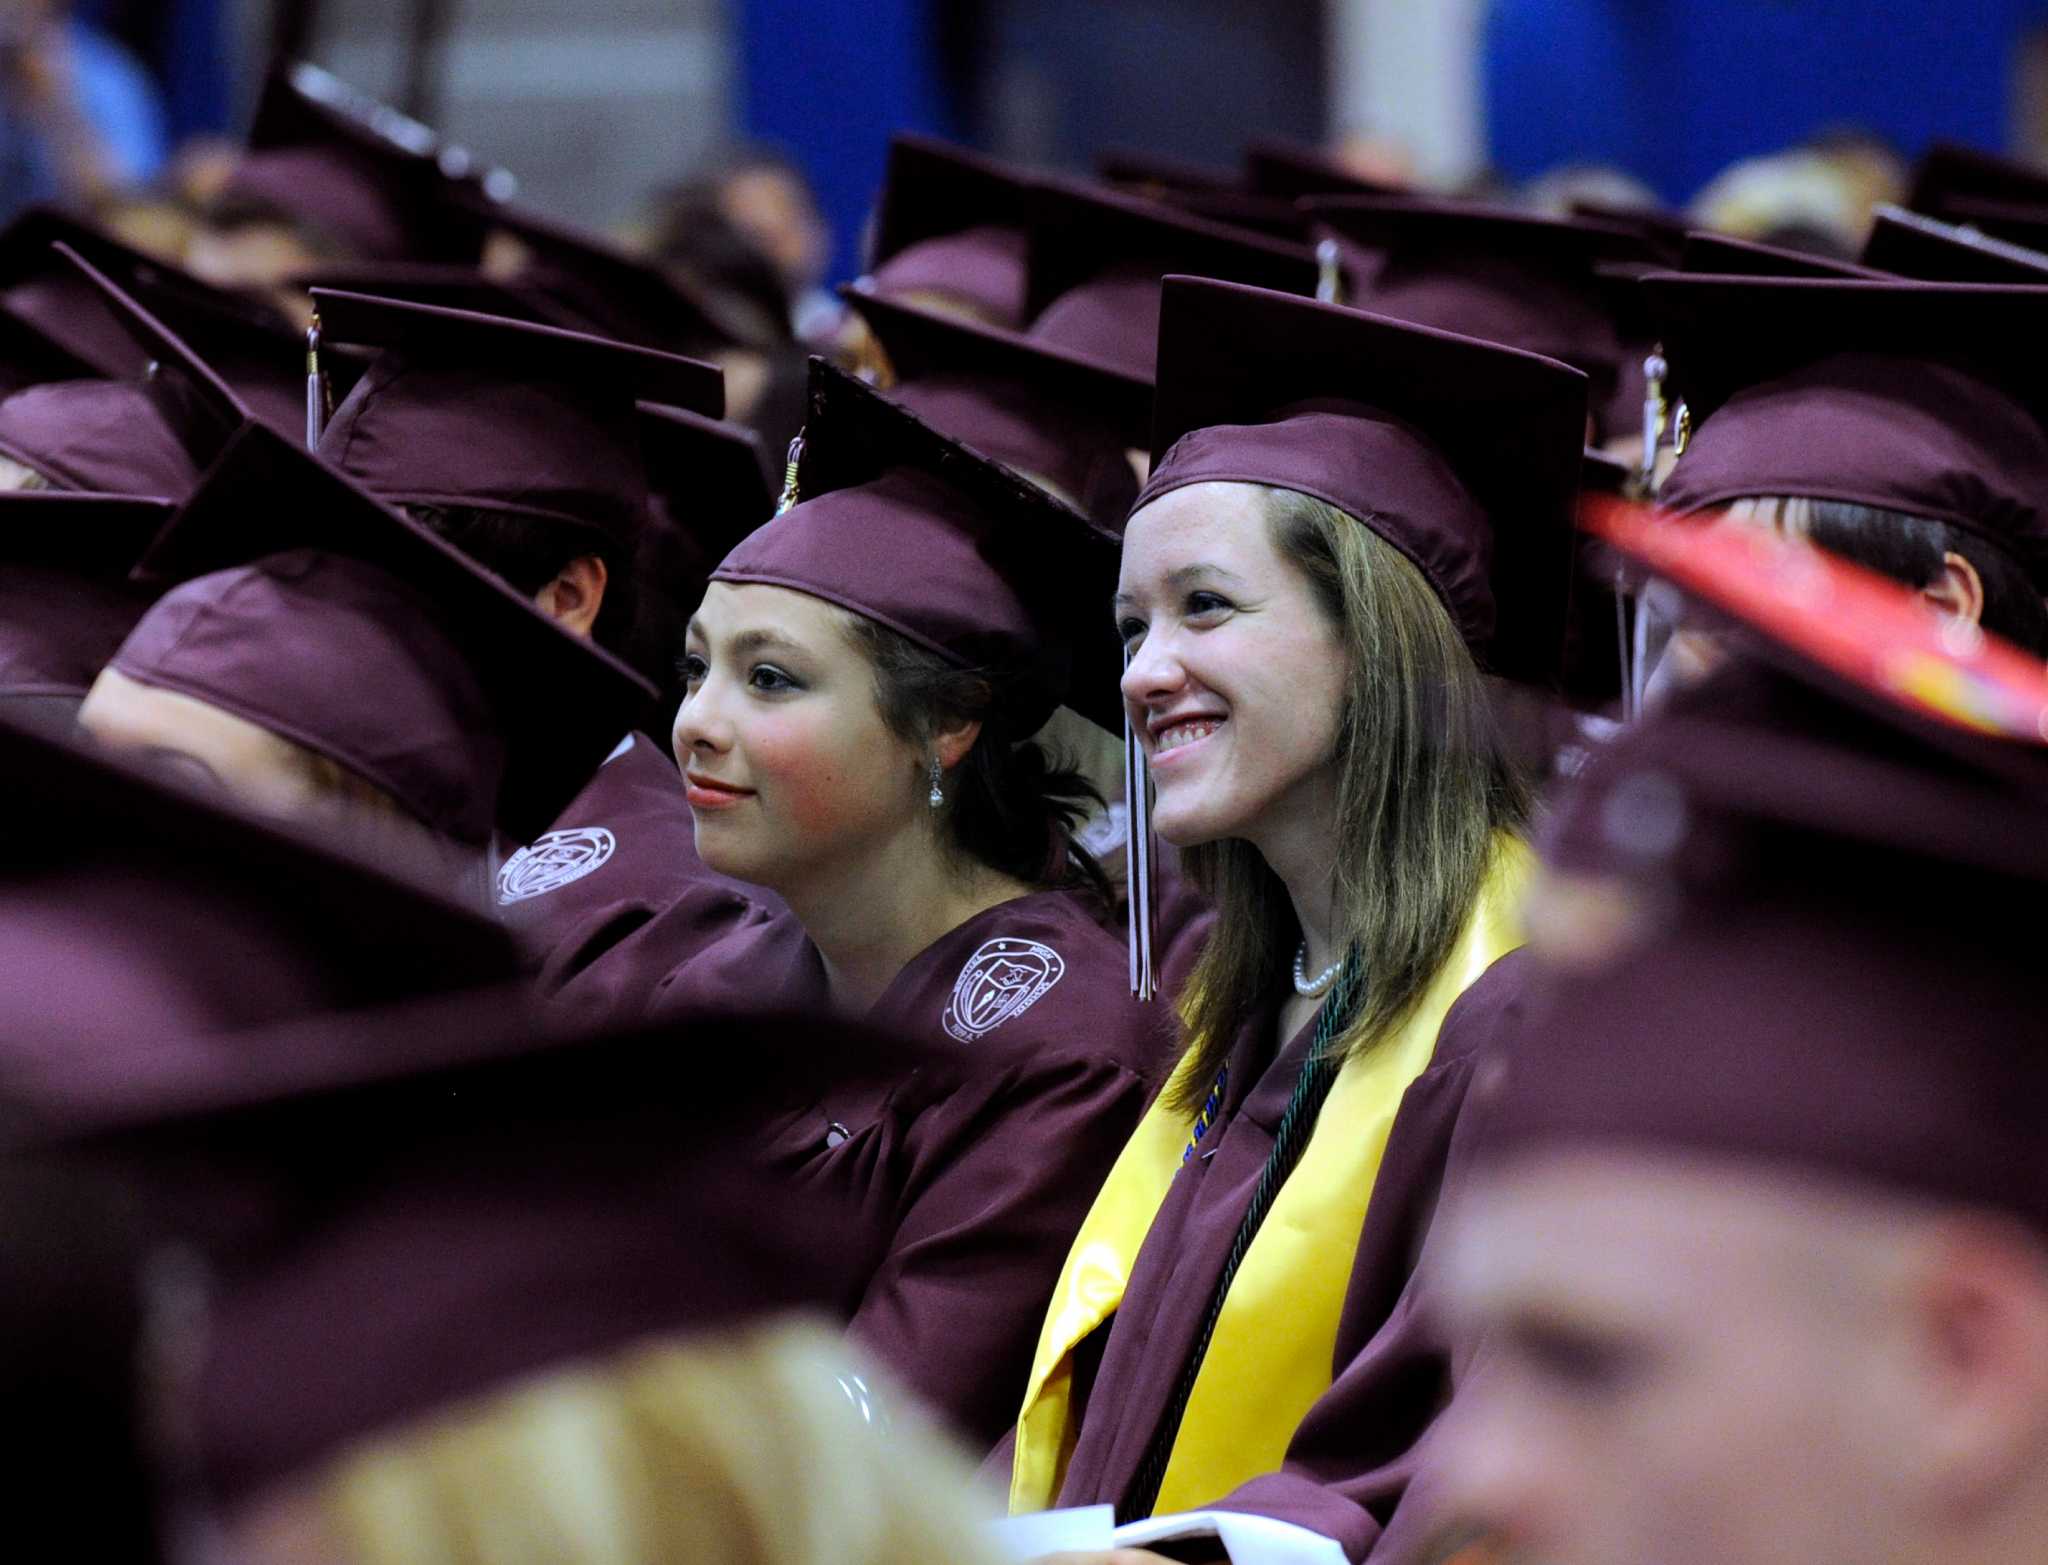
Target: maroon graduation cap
[(374, 181), (1950, 172), (950, 222), (151, 433), (145, 909), (1097, 257), (1907, 396), (915, 531), (1827, 881), (1464, 455), (1724, 256), (463, 409), (448, 285), (1530, 282), (445, 1199), (1910, 244), (68, 331), (1276, 166), (708, 488), (1044, 411), (66, 603), (2023, 223), (1664, 231), (311, 608), (1217, 194), (605, 290)]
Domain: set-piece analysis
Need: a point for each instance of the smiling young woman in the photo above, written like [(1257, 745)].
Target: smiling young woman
[(864, 676), (1352, 522)]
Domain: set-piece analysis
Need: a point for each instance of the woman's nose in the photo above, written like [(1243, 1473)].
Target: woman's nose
[(1151, 672), (699, 725)]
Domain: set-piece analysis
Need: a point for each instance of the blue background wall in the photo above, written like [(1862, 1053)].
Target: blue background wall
[(829, 82), (1675, 90)]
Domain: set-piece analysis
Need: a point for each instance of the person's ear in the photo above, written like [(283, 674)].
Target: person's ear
[(1977, 1298), (951, 745), (574, 597), (1957, 590)]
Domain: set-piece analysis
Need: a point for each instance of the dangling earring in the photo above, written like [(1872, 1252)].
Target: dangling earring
[(938, 794)]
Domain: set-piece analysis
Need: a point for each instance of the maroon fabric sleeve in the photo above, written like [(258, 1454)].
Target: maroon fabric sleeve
[(1000, 1176)]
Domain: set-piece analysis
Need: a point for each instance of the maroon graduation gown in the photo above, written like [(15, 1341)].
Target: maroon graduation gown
[(1352, 1456), (621, 856), (971, 1187)]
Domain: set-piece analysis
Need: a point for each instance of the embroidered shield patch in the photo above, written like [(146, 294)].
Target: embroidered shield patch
[(553, 861), (1002, 980)]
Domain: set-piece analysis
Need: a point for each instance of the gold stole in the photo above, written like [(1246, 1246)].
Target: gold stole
[(1270, 1358)]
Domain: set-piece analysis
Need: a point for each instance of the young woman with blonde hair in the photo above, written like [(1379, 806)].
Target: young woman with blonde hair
[(1352, 523)]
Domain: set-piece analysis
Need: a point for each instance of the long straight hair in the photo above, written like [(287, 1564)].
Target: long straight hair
[(1426, 785)]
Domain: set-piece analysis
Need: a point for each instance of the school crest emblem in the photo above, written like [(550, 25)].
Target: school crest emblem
[(553, 861), (1000, 982)]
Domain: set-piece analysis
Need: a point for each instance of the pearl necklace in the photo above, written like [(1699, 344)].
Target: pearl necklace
[(1308, 988)]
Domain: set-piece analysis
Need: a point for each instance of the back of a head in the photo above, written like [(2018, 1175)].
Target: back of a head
[(742, 1449)]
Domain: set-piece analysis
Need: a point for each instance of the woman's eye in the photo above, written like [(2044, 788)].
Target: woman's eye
[(692, 667), (1202, 604), (1130, 631), (767, 677)]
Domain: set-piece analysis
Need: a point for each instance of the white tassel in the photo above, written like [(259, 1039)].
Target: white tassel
[(1139, 887), (316, 388)]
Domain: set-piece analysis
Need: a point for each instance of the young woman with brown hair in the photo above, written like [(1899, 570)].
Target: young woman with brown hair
[(1351, 523), (865, 675)]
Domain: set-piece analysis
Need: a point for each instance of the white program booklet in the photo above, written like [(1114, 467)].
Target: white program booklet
[(1246, 1539)]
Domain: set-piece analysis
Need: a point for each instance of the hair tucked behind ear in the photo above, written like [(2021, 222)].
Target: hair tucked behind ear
[(529, 552), (1009, 804), (1425, 786)]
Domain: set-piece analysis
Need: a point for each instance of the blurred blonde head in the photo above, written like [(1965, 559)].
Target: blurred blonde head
[(740, 1449)]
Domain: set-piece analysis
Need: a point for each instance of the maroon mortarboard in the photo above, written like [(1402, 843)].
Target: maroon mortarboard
[(66, 603), (1275, 166), (2024, 223), (314, 610), (445, 284), (149, 435), (605, 289), (1267, 215), (1664, 231), (147, 906), (1097, 257), (1821, 882), (1464, 455), (1043, 411), (248, 344), (375, 182), (950, 222), (1217, 194), (462, 409), (1949, 172), (1906, 396), (1510, 277), (1155, 173), (1724, 256), (1910, 244), (915, 531), (709, 487), (449, 1199)]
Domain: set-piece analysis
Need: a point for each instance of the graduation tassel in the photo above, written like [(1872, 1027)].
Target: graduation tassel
[(789, 495), (316, 388), (1329, 273), (1139, 889), (1655, 412), (1654, 371)]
